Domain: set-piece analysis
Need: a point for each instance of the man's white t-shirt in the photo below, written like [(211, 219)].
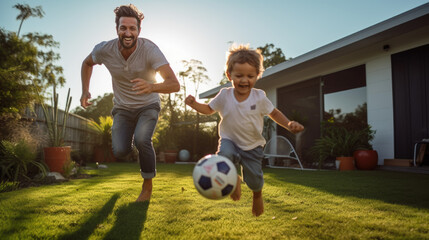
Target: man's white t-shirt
[(242, 122), (142, 63)]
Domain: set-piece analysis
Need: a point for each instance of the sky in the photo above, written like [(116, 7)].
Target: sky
[(197, 29)]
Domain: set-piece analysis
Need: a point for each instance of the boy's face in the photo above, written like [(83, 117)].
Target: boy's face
[(243, 77), (128, 32)]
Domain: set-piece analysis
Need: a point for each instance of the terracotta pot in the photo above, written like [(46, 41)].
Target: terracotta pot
[(366, 159), (101, 155), (170, 156), (57, 157), (346, 163)]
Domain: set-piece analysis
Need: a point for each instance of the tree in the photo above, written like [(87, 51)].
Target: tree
[(196, 74), (272, 56), (178, 128), (101, 107), (26, 64), (26, 11), (16, 93)]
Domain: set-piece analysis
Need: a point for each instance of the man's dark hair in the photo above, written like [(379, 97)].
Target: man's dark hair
[(128, 11)]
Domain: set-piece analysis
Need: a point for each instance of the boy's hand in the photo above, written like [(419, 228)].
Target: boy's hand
[(190, 100), (295, 127)]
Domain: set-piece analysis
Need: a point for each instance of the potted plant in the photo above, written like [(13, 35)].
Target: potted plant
[(366, 157), (103, 150), (57, 155), (339, 143), (347, 142), (170, 152)]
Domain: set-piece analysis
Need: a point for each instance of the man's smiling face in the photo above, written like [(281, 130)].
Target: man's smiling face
[(128, 32)]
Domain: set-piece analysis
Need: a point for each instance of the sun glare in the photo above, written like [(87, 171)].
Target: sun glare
[(158, 78)]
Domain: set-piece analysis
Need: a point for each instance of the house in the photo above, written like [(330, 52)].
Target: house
[(385, 66)]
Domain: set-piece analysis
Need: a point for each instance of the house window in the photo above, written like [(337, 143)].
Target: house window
[(340, 103), (344, 97)]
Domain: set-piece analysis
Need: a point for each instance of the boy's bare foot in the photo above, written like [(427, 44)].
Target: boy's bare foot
[(146, 191), (258, 204), (236, 195)]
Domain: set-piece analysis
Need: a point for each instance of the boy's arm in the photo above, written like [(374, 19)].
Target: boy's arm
[(199, 107), (282, 120)]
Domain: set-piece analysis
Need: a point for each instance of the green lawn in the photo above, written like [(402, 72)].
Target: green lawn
[(298, 205)]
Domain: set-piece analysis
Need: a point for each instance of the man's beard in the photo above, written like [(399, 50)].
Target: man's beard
[(121, 41)]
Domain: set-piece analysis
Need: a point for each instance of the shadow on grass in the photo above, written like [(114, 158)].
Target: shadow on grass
[(129, 222), (390, 187), (88, 227)]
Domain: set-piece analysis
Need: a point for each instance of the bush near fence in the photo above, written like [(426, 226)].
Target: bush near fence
[(78, 135)]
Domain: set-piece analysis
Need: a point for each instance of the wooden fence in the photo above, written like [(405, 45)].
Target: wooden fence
[(77, 134)]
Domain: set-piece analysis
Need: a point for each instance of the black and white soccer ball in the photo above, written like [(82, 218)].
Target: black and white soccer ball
[(215, 177)]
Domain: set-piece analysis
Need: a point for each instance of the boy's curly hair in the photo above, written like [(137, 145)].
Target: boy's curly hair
[(244, 54), (128, 11)]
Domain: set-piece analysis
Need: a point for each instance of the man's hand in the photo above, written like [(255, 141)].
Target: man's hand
[(295, 127), (141, 86), (84, 99)]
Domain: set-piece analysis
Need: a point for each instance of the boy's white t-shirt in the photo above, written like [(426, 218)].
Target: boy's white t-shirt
[(242, 122)]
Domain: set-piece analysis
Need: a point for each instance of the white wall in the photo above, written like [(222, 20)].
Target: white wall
[(380, 105)]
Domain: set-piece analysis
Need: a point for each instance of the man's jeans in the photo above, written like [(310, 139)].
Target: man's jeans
[(140, 124)]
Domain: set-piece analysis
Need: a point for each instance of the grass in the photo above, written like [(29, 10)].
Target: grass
[(298, 205)]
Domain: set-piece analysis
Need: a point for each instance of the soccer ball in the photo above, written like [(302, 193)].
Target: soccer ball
[(215, 177)]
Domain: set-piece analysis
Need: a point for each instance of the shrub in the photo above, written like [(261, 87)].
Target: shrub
[(16, 160)]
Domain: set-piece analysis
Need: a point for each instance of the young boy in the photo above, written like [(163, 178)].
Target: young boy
[(242, 109)]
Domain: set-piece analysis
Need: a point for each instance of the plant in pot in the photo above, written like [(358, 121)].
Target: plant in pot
[(170, 152), (323, 149), (339, 143), (366, 157), (347, 141), (103, 150), (57, 155)]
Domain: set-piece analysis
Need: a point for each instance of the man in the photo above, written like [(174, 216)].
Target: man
[(133, 63)]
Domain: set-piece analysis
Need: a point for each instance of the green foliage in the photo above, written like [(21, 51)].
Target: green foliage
[(16, 159), (56, 132), (8, 186), (26, 11), (104, 132), (272, 55), (342, 134), (353, 121), (17, 59), (81, 157), (24, 61), (338, 141), (100, 107), (71, 168), (103, 129), (195, 73), (269, 127)]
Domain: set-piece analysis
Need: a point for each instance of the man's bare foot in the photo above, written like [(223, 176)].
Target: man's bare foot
[(236, 195), (258, 204), (146, 191)]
